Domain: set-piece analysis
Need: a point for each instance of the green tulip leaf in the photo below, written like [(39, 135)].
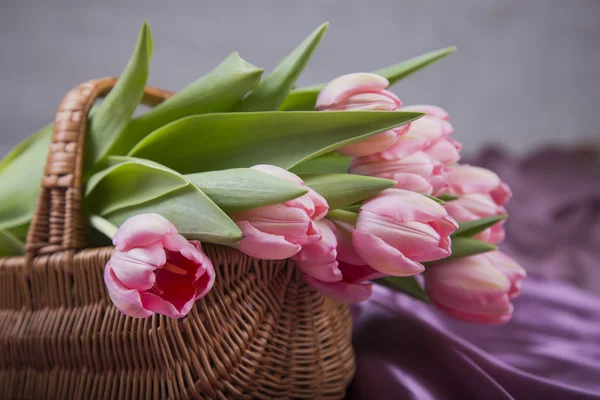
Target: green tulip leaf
[(330, 163), (304, 99), (355, 208), (273, 90), (21, 174), (397, 72), (472, 228), (194, 215), (10, 245), (243, 188), (343, 216), (109, 119), (221, 141), (341, 190), (464, 247), (436, 199), (137, 186), (218, 91), (447, 197), (408, 285)]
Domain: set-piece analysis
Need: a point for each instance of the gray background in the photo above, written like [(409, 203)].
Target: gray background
[(526, 73)]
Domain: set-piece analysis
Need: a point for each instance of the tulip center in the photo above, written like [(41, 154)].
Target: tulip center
[(176, 280)]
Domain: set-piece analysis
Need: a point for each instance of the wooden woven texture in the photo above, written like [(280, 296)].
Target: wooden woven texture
[(260, 333)]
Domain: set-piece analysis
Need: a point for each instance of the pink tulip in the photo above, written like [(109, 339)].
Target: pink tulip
[(345, 249), (467, 179), (278, 231), (361, 92), (433, 111), (421, 135), (319, 259), (417, 172), (476, 289), (471, 207), (341, 291), (399, 229), (446, 151), (155, 269)]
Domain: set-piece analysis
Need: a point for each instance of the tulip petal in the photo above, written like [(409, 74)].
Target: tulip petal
[(358, 273), (404, 206), (264, 245), (340, 88), (433, 111), (383, 257), (374, 144), (345, 249), (342, 291), (135, 267), (159, 305), (142, 230), (278, 172), (126, 300)]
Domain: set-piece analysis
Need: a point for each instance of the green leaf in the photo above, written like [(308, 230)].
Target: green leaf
[(408, 285), (218, 91), (190, 211), (137, 186), (304, 99), (397, 72), (355, 208), (129, 183), (220, 141), (330, 163), (343, 216), (472, 228), (10, 245), (436, 199), (109, 119), (464, 247), (273, 90), (447, 197), (341, 190), (21, 174), (243, 188)]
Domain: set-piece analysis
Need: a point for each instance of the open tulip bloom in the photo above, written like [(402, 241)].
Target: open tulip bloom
[(341, 178)]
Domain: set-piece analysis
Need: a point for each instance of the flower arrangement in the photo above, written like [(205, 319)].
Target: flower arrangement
[(354, 187)]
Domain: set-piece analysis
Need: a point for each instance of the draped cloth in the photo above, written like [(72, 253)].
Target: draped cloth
[(406, 349)]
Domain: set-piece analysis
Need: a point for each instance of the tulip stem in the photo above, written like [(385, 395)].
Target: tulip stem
[(103, 226), (343, 215)]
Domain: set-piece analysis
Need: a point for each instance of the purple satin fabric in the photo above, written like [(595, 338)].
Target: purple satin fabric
[(550, 350)]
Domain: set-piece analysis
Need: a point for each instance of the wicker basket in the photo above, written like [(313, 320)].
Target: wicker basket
[(260, 333)]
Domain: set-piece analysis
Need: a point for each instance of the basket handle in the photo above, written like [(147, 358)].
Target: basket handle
[(58, 222)]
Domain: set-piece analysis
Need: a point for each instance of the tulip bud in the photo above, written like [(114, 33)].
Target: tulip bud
[(476, 289), (278, 231), (319, 259), (433, 111), (446, 152), (467, 179), (422, 134), (471, 207), (398, 229), (361, 92), (155, 269), (417, 172)]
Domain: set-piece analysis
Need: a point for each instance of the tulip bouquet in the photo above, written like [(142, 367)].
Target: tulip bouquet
[(354, 187)]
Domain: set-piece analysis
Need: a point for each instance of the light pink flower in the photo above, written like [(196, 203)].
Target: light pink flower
[(319, 259), (422, 134), (471, 207), (278, 231), (399, 229), (430, 110), (446, 151), (345, 249), (155, 269), (476, 289), (361, 92), (482, 194), (468, 179), (417, 172)]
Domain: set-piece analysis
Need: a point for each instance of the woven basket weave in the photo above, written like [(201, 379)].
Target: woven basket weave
[(260, 333)]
